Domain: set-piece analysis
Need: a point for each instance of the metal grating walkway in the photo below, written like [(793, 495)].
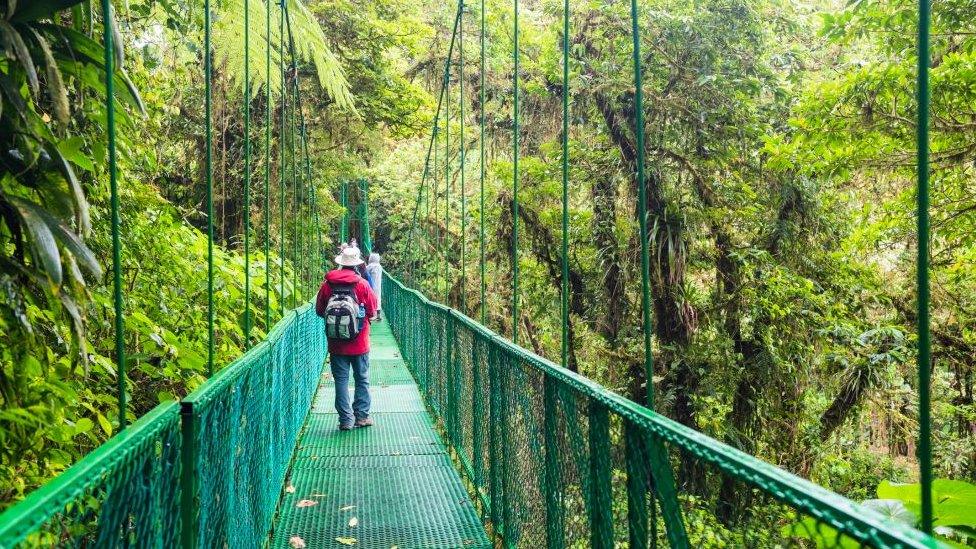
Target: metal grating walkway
[(390, 485)]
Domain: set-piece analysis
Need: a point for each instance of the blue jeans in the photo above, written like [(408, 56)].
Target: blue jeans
[(340, 372)]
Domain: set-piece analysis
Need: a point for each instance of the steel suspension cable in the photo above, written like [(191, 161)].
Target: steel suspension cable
[(247, 175), (208, 69), (120, 358), (267, 168), (344, 224), (436, 228), (464, 219), (564, 297), (431, 146), (281, 152), (296, 228), (642, 207), (515, 176), (445, 247), (303, 135), (481, 167), (922, 269)]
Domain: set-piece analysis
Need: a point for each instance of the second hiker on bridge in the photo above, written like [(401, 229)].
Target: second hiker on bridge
[(347, 303)]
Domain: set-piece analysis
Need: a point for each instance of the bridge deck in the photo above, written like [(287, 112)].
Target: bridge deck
[(390, 485)]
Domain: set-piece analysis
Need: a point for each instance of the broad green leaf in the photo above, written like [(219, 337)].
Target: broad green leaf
[(81, 203), (892, 509), (14, 42), (42, 240), (83, 425), (32, 10), (55, 83), (68, 239), (954, 501), (104, 423), (137, 99), (70, 149)]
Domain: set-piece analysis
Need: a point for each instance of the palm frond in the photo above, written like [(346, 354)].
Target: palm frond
[(311, 46)]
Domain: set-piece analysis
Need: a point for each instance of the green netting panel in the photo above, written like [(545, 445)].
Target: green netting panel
[(241, 427), (124, 493), (559, 461)]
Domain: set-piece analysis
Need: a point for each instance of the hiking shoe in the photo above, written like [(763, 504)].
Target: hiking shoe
[(364, 422), (343, 427)]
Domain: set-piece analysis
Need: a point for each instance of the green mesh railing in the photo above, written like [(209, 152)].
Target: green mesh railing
[(240, 430), (206, 472), (557, 460), (124, 493)]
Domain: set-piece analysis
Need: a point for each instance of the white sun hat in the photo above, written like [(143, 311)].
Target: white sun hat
[(349, 257)]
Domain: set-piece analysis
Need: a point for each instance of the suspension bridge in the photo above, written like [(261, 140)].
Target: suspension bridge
[(478, 442)]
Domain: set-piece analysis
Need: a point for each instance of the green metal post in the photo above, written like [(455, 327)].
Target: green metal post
[(922, 269), (189, 506), (600, 496), (515, 179), (478, 412), (553, 487), (247, 174), (208, 69), (114, 191), (638, 480)]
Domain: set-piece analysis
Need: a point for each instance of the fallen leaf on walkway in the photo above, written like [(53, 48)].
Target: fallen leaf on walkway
[(296, 542), (306, 503), (290, 489), (353, 522), (347, 541), (347, 508)]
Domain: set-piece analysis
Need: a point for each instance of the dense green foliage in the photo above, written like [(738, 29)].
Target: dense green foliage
[(780, 159), (58, 372)]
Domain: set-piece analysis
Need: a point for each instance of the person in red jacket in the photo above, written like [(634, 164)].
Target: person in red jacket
[(352, 354)]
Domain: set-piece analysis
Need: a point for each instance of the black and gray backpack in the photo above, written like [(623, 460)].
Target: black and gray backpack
[(342, 313)]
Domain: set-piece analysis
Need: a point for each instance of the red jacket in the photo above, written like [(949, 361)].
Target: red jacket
[(365, 296)]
